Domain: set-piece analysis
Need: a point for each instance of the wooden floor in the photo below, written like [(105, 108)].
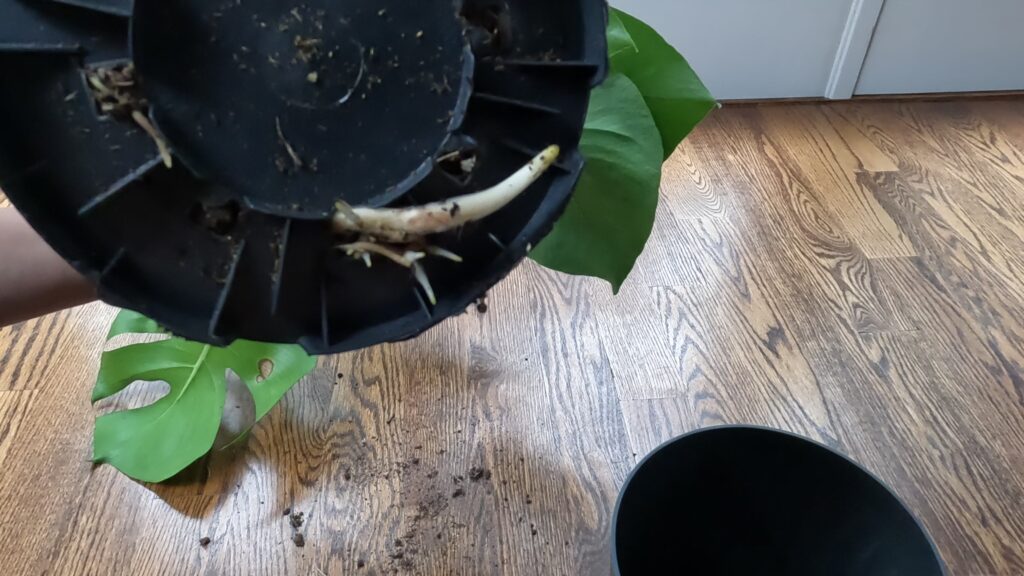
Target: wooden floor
[(850, 272)]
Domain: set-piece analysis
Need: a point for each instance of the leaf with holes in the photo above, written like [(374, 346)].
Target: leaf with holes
[(155, 442)]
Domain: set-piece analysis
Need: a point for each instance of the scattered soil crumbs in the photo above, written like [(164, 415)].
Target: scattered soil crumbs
[(476, 474), (296, 520), (204, 541)]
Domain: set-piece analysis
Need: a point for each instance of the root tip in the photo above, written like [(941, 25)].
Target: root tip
[(551, 153)]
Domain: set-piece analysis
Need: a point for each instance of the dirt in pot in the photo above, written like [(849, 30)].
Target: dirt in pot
[(117, 91)]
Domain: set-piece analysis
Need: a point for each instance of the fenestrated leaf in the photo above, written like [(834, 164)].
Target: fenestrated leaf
[(619, 39), (610, 217), (674, 93), (156, 442), (147, 362), (289, 365)]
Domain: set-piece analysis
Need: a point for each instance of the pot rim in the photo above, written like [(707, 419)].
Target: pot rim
[(758, 428)]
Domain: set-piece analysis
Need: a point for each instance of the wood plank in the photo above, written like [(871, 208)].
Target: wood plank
[(907, 417), (829, 161), (865, 154), (672, 347), (957, 339), (13, 407), (993, 305), (786, 221), (689, 189), (971, 189), (554, 421), (865, 410), (46, 466)]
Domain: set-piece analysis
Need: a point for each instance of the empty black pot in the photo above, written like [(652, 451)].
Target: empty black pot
[(748, 500)]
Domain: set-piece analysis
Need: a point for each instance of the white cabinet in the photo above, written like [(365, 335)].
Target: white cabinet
[(945, 46), (751, 48), (761, 49)]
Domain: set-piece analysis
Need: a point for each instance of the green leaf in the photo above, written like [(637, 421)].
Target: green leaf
[(131, 322), (619, 39), (156, 442), (289, 365), (610, 217), (147, 362), (676, 97)]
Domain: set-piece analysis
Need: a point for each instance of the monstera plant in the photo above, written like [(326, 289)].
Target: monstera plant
[(651, 100)]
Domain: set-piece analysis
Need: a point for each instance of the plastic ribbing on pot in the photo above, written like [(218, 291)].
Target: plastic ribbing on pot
[(272, 115)]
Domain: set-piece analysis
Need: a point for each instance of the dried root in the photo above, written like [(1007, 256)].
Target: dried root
[(117, 92), (161, 145)]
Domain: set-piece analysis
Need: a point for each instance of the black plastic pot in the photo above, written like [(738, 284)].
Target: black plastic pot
[(742, 500), (275, 111)]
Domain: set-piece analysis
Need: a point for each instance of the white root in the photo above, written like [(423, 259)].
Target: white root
[(364, 248), (295, 158), (401, 225), (398, 234), (409, 259), (442, 253), (421, 277)]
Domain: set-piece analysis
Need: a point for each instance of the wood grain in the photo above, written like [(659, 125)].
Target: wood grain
[(853, 272)]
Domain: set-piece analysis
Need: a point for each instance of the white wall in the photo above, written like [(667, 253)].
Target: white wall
[(755, 48), (945, 46)]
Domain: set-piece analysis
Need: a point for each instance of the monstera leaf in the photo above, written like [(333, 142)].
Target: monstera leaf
[(619, 39), (650, 102), (677, 98), (607, 223), (155, 442)]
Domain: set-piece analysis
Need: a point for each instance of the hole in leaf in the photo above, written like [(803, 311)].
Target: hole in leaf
[(239, 412), (138, 394), (266, 369)]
